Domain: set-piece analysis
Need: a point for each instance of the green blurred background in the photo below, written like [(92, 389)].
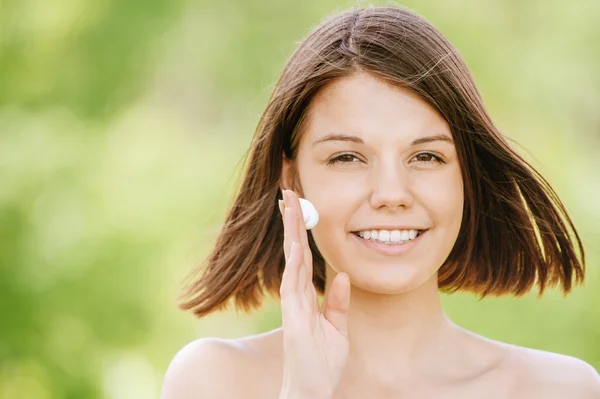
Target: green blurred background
[(122, 127)]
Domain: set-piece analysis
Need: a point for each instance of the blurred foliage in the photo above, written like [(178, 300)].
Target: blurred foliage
[(122, 124)]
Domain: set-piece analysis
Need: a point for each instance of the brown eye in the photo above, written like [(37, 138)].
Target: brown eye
[(426, 157), (343, 158)]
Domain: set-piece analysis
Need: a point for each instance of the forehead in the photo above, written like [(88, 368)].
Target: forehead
[(361, 104)]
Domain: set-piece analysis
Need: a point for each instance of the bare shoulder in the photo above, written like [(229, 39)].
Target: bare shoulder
[(551, 375), (220, 368), (201, 369)]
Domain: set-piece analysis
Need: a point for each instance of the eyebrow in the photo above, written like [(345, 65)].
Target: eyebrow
[(358, 140)]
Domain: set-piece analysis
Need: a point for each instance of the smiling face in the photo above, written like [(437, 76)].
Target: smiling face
[(375, 157)]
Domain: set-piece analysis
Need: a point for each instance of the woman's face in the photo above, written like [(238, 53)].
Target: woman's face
[(374, 157)]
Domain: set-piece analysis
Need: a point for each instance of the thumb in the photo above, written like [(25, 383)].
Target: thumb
[(337, 303)]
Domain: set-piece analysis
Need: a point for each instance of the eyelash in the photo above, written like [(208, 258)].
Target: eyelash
[(436, 159)]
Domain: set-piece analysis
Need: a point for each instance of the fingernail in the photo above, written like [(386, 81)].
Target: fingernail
[(285, 197), (281, 206)]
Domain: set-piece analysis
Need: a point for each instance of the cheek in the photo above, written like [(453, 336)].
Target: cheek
[(335, 204), (335, 199), (330, 232), (332, 194), (444, 198)]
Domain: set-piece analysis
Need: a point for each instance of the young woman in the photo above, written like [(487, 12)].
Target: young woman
[(377, 121)]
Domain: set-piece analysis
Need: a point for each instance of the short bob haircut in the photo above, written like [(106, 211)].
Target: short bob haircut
[(515, 231)]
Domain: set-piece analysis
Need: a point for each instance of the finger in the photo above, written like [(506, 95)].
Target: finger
[(296, 230), (337, 303), (289, 280), (286, 242), (281, 207), (301, 275), (290, 227), (292, 200), (291, 236)]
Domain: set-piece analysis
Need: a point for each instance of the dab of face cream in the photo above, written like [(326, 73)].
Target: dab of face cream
[(310, 214)]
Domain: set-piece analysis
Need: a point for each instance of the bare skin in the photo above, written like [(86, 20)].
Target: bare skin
[(252, 367), (392, 338)]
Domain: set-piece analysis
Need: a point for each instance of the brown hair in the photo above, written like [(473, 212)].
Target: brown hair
[(515, 229)]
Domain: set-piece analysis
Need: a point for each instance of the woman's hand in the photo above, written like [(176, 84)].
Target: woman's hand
[(315, 340)]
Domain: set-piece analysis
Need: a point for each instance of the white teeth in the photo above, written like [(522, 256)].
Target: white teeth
[(386, 236), (405, 235)]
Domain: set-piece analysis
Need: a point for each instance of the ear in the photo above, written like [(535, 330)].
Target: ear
[(288, 179)]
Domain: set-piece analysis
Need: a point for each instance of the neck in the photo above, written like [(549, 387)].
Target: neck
[(399, 334)]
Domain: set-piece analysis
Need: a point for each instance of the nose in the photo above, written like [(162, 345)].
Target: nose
[(390, 187)]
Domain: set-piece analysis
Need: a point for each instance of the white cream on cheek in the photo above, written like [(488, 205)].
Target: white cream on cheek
[(309, 213)]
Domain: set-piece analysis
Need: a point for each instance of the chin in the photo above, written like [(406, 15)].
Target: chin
[(389, 280)]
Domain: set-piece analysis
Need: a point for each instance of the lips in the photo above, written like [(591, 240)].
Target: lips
[(419, 232), (390, 249)]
